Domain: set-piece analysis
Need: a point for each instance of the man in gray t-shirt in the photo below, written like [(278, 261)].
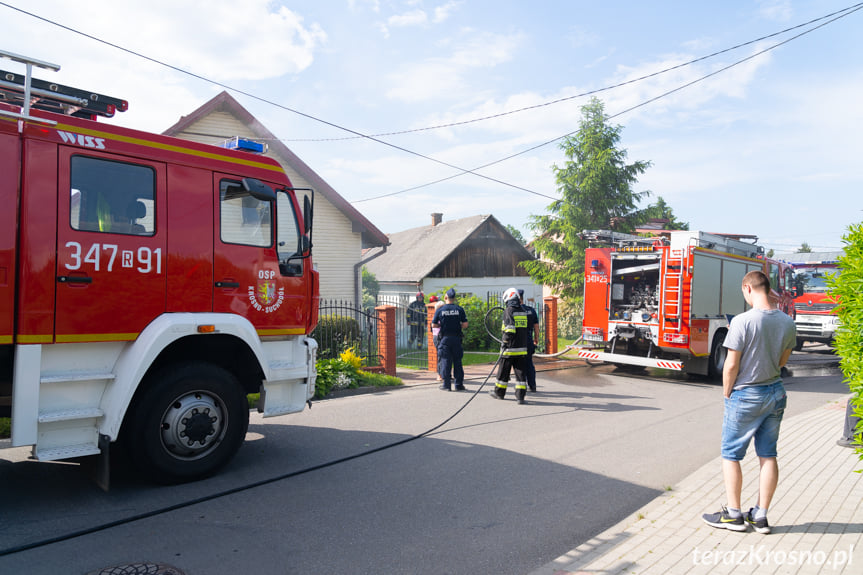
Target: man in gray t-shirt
[(761, 336), (759, 343)]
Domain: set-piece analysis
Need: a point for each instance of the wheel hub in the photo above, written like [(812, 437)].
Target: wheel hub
[(192, 425)]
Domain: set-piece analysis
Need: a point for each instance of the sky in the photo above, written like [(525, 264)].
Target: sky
[(393, 101)]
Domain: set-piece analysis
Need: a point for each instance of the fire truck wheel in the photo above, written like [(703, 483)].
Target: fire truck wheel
[(717, 356), (188, 423)]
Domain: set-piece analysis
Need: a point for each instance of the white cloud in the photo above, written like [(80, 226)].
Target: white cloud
[(213, 38), (447, 77), (778, 10), (412, 18), (443, 12)]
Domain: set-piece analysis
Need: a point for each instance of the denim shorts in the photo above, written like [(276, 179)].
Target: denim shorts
[(754, 411)]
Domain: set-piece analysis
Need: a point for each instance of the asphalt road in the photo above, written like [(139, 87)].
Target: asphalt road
[(500, 488)]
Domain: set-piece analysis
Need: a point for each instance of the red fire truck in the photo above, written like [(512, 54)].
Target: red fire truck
[(147, 285), (666, 301), (817, 320)]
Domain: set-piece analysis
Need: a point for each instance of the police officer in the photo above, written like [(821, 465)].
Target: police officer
[(451, 319), (513, 347), (417, 320), (533, 340)]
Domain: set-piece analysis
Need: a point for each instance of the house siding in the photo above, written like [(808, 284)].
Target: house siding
[(336, 248), (488, 252)]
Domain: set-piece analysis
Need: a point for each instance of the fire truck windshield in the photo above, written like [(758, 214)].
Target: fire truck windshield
[(814, 280)]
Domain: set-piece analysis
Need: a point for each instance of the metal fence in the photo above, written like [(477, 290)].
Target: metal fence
[(341, 326)]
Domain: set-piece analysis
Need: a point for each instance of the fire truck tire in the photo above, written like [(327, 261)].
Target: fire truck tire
[(189, 422), (717, 356)]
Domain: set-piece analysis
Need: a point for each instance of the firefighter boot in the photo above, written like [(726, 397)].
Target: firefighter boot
[(499, 390), (520, 392)]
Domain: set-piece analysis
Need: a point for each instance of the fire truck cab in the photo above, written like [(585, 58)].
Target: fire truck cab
[(664, 302), (816, 317), (147, 285)]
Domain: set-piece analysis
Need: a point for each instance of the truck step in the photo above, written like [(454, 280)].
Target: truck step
[(70, 414), (66, 452)]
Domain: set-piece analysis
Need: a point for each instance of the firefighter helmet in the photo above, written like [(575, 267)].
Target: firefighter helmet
[(510, 294)]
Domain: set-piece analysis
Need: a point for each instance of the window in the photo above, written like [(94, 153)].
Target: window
[(112, 197), (288, 229), (244, 219)]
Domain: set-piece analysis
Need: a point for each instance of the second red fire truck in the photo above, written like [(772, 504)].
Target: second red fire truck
[(666, 301)]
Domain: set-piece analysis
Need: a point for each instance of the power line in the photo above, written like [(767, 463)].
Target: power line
[(856, 7), (587, 93), (461, 171), (270, 102)]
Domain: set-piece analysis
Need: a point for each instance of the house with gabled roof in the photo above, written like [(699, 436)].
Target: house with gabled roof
[(340, 232), (476, 254)]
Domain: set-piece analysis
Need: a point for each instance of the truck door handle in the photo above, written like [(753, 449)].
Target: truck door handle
[(227, 284), (74, 279)]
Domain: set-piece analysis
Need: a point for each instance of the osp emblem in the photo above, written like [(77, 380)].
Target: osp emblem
[(266, 292), (265, 297)]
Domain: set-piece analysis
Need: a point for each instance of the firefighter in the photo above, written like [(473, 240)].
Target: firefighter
[(532, 341), (514, 343), (451, 319), (417, 320)]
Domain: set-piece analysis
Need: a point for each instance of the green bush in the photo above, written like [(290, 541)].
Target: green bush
[(476, 337), (847, 288), (336, 374), (334, 334), (569, 318)]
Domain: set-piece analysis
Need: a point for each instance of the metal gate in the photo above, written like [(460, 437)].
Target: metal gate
[(341, 326)]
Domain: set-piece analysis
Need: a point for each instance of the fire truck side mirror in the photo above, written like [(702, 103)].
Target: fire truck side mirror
[(307, 214), (259, 190)]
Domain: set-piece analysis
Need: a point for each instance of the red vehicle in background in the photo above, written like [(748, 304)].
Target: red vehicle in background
[(783, 284), (147, 285), (816, 317), (666, 301)]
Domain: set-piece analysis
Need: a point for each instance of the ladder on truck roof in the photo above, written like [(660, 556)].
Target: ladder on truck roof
[(31, 93), (612, 238)]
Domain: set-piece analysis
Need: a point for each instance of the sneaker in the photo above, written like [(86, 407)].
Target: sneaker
[(721, 520), (445, 388), (459, 388), (760, 525)]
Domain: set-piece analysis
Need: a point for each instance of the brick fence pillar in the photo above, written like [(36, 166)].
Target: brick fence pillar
[(550, 304), (387, 337), (432, 350)]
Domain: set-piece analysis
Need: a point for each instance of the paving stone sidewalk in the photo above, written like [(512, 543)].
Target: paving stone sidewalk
[(816, 516)]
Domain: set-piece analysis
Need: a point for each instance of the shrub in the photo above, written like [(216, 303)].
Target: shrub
[(570, 314), (345, 373), (847, 288), (334, 334), (351, 358)]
